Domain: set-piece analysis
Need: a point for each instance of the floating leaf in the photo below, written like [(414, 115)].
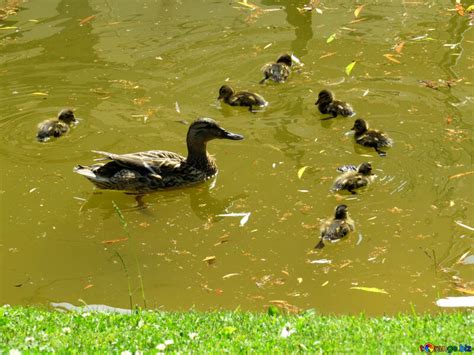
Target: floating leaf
[(358, 10), (465, 290), (230, 275), (88, 286), (331, 38), (449, 119), (470, 8), (325, 283), (87, 19), (268, 45), (299, 279), (39, 94), (301, 171), (399, 47), (370, 289), (390, 57), (319, 11), (320, 261), (8, 28), (459, 223), (327, 55), (177, 107), (113, 241), (349, 68), (460, 9), (365, 92), (209, 259), (460, 175)]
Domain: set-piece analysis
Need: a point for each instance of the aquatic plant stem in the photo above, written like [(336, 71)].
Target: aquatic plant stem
[(132, 247), (128, 278)]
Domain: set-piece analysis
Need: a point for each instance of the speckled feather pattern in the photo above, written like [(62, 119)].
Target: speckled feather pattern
[(278, 72), (351, 180)]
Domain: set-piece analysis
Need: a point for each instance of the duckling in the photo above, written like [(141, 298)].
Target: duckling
[(56, 128), (279, 71), (328, 105), (371, 137), (337, 227), (241, 98), (153, 170), (354, 179)]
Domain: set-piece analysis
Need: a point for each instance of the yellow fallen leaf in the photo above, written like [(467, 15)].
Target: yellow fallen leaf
[(465, 290), (390, 57), (331, 38), (370, 289), (230, 275), (39, 94), (327, 55), (33, 20), (349, 68), (358, 10), (299, 279), (460, 175), (470, 8), (88, 286), (301, 171), (8, 28), (324, 284)]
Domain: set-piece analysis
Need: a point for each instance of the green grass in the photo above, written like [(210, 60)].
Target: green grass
[(35, 329)]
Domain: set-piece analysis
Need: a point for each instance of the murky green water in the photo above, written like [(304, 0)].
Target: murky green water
[(123, 72)]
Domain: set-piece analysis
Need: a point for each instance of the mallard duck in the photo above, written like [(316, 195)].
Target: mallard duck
[(371, 137), (278, 71), (158, 169), (328, 105), (241, 98), (56, 128), (337, 227), (354, 178)]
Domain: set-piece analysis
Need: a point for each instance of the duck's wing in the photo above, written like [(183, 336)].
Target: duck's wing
[(337, 229), (346, 168), (153, 161)]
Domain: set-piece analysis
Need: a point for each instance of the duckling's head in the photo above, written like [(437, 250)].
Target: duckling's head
[(341, 212), (285, 59), (360, 126), (205, 129), (67, 116), (365, 169), (225, 92), (325, 97)]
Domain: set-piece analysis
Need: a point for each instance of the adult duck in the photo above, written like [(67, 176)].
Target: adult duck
[(158, 169)]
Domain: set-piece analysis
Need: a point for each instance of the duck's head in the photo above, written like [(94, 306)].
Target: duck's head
[(365, 169), (360, 126), (341, 212), (325, 97), (67, 116), (225, 92), (285, 59), (205, 129)]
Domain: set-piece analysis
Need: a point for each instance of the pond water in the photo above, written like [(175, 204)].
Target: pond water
[(137, 72)]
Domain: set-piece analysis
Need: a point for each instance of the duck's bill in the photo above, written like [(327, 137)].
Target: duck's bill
[(233, 136), (350, 133)]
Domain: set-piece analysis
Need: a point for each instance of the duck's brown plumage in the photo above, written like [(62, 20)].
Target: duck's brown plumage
[(241, 98), (157, 169), (337, 227), (279, 71), (56, 128), (371, 137), (354, 179), (327, 104)]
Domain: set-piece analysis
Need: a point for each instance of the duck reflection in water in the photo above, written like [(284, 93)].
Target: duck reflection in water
[(202, 201), (301, 21)]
